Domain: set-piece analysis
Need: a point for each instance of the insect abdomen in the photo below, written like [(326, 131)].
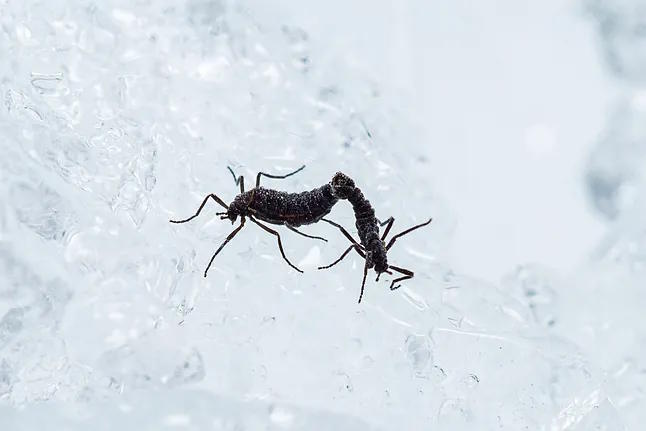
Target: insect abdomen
[(368, 229), (295, 209)]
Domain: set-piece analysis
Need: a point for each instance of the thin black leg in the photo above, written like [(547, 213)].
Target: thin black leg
[(389, 222), (345, 253), (235, 177), (385, 222), (392, 240), (345, 232), (379, 274), (293, 229), (280, 244), (278, 177), (214, 197), (231, 235), (239, 180), (407, 274), (363, 282)]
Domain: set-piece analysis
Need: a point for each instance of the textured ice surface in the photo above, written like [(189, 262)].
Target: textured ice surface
[(615, 176), (621, 26), (119, 115)]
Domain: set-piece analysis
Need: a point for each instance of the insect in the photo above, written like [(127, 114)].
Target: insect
[(272, 206), (371, 247)]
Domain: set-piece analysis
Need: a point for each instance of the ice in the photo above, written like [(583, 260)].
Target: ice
[(118, 116), (180, 409), (621, 30), (614, 282), (615, 174)]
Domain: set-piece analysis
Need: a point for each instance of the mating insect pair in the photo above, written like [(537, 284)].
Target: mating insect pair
[(296, 209)]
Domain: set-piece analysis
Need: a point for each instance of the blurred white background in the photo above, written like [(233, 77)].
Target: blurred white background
[(512, 96)]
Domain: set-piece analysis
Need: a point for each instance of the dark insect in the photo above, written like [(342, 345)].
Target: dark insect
[(372, 248), (272, 206)]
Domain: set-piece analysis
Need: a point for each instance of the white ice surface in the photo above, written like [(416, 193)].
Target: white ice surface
[(118, 115)]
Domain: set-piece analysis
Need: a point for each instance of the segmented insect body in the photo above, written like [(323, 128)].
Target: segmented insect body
[(282, 208), (366, 222), (296, 209), (371, 247), (272, 206)]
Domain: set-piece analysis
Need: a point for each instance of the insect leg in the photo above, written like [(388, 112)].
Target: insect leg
[(214, 197), (280, 244), (235, 178), (239, 180), (231, 235), (379, 274), (385, 222), (388, 222), (363, 282), (279, 177), (392, 240), (293, 229), (345, 253), (407, 274), (345, 232)]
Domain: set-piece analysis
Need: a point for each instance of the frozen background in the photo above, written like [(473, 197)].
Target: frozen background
[(520, 126)]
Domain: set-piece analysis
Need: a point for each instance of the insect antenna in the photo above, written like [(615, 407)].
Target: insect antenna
[(199, 210)]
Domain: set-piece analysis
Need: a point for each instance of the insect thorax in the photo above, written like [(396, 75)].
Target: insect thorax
[(240, 204)]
